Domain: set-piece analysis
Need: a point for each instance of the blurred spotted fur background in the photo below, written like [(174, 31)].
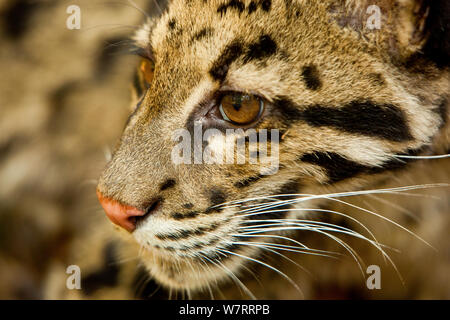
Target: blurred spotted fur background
[(63, 103)]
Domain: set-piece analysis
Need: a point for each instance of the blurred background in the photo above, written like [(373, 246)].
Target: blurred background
[(64, 97)]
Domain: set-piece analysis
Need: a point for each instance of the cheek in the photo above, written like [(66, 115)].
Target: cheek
[(218, 143)]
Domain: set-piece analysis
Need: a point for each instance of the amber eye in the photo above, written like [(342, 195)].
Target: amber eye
[(241, 108), (146, 70)]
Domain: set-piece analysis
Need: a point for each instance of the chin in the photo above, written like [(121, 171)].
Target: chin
[(182, 273)]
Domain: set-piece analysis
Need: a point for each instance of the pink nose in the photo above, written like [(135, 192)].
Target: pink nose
[(122, 215)]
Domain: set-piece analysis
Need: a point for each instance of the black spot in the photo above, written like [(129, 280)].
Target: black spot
[(252, 7), (266, 4), (232, 4), (187, 215), (183, 234), (248, 181), (338, 168), (171, 24), (220, 67), (265, 47), (188, 205), (311, 77), (378, 79), (16, 17), (169, 183), (364, 117), (263, 4), (216, 198), (107, 276)]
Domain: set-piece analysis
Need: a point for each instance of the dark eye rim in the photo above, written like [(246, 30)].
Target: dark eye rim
[(147, 84), (141, 86), (145, 53), (223, 113)]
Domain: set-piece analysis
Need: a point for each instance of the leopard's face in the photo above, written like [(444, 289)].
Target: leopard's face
[(338, 96)]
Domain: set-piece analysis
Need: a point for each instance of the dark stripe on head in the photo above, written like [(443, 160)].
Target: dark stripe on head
[(288, 110), (265, 5), (171, 24), (248, 181), (220, 67), (232, 4), (378, 79), (252, 7), (364, 117), (203, 33), (169, 183), (337, 167), (265, 47), (311, 77)]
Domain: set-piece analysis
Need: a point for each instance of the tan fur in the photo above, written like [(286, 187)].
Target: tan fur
[(348, 57)]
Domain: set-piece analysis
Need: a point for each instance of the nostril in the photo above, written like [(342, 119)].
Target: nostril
[(151, 208)]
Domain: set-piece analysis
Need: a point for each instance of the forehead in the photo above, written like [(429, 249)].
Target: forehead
[(196, 25), (197, 31), (258, 46)]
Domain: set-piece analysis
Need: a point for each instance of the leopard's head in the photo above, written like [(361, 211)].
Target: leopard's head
[(345, 91)]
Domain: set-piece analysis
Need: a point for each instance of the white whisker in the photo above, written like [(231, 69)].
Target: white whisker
[(266, 265), (440, 156)]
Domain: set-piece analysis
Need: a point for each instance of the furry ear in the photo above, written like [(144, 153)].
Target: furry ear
[(437, 46), (423, 29), (406, 28)]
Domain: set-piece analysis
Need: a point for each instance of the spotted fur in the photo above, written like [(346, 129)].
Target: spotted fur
[(349, 101)]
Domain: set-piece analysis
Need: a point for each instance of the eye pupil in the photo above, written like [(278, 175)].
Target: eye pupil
[(240, 108), (237, 102)]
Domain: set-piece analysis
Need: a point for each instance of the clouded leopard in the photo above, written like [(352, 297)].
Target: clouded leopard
[(361, 116)]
